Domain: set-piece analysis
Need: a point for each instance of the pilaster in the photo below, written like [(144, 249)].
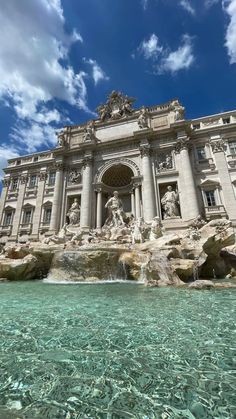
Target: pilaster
[(21, 194), (56, 205), (39, 202), (218, 147), (5, 187)]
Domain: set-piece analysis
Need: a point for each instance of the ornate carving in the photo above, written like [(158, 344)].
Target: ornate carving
[(145, 150), (23, 179), (182, 144), (218, 145), (87, 161), (43, 176), (143, 118), (59, 165), (74, 176), (165, 164), (6, 182), (116, 106)]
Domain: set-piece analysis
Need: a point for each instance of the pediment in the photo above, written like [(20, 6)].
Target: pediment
[(210, 182)]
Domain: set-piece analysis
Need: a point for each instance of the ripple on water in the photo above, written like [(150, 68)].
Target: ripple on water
[(116, 351)]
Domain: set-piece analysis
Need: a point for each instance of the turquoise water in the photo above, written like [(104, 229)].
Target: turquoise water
[(116, 351)]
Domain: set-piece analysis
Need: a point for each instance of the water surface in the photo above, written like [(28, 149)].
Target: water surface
[(116, 351)]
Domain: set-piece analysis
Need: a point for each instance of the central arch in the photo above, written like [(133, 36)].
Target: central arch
[(117, 174)]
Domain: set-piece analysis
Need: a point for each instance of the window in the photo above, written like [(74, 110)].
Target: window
[(201, 154), (47, 215), (14, 184), (196, 126), (232, 147), (27, 216), (8, 218), (36, 158), (51, 178), (210, 198), (18, 162), (226, 120), (32, 181)]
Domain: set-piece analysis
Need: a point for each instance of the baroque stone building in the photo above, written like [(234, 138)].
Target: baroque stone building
[(139, 153)]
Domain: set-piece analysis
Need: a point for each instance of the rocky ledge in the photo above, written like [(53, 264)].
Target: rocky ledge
[(172, 259)]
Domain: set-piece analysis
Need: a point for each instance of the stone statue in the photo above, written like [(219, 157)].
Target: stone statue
[(74, 213), (61, 139), (170, 203), (156, 229), (89, 132), (143, 118), (59, 238), (116, 213), (178, 110), (136, 232)]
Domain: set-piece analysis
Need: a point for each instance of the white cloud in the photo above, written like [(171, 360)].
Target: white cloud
[(144, 4), (97, 72), (230, 37), (165, 60), (209, 3), (151, 47), (35, 71), (187, 6), (181, 59), (6, 152)]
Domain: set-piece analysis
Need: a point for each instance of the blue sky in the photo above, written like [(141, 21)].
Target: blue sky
[(59, 59)]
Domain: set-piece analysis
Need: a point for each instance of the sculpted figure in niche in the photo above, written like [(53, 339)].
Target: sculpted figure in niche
[(74, 213), (143, 118), (116, 213), (170, 203)]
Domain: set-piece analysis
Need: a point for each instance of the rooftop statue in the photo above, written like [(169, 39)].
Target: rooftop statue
[(143, 118), (89, 132), (116, 106)]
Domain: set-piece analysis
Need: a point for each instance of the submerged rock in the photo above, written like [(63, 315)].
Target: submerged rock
[(201, 284)]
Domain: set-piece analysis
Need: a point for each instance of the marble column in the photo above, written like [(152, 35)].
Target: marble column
[(218, 148), (38, 207), (56, 205), (86, 197), (148, 193), (99, 209), (137, 200), (18, 213), (5, 187), (187, 188), (132, 202)]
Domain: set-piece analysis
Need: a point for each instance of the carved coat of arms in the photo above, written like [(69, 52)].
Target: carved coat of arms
[(116, 106)]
